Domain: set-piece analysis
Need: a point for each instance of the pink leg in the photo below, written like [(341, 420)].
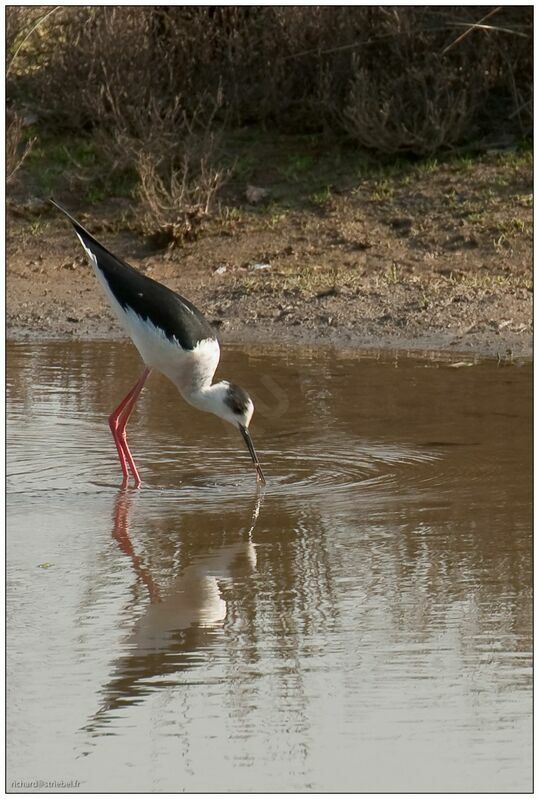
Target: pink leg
[(118, 421), (122, 435)]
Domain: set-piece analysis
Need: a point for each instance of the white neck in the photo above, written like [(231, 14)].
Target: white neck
[(207, 398), (216, 399)]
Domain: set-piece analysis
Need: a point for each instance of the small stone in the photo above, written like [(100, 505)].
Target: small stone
[(281, 314), (28, 118), (256, 194)]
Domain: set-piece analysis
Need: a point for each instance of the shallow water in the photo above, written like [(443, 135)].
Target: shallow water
[(364, 625)]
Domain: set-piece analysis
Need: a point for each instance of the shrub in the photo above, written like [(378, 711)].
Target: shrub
[(179, 176), (151, 85), (297, 68), (423, 79)]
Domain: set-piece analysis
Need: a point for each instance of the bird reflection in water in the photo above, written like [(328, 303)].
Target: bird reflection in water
[(182, 619)]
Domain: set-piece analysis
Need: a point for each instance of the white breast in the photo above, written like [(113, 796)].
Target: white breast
[(189, 370)]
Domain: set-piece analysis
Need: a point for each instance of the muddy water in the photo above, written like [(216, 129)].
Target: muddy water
[(362, 626)]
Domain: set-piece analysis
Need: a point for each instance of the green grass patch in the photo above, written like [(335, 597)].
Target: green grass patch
[(75, 164)]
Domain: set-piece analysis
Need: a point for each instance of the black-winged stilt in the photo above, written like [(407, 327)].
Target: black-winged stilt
[(172, 337)]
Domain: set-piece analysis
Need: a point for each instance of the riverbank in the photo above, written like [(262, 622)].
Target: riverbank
[(432, 256)]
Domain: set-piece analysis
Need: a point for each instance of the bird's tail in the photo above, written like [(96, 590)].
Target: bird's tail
[(77, 225), (95, 251)]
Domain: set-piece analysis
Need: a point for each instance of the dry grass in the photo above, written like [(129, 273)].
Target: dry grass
[(176, 200), (177, 158), (17, 148), (151, 86), (296, 68), (418, 111)]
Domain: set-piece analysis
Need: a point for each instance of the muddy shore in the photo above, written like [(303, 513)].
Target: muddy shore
[(430, 262)]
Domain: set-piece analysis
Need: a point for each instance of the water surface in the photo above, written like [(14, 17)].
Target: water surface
[(364, 625)]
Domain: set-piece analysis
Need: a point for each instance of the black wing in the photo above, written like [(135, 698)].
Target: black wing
[(172, 313)]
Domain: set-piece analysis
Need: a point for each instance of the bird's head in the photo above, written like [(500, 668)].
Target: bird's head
[(233, 404)]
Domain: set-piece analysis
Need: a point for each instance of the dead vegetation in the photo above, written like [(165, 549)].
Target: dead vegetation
[(420, 110), (17, 147), (178, 195), (152, 88)]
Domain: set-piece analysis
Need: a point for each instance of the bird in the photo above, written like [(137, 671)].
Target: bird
[(172, 337)]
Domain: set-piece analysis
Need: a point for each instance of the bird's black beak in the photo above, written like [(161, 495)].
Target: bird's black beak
[(250, 446)]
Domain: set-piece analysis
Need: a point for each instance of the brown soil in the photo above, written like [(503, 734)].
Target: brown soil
[(439, 258)]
